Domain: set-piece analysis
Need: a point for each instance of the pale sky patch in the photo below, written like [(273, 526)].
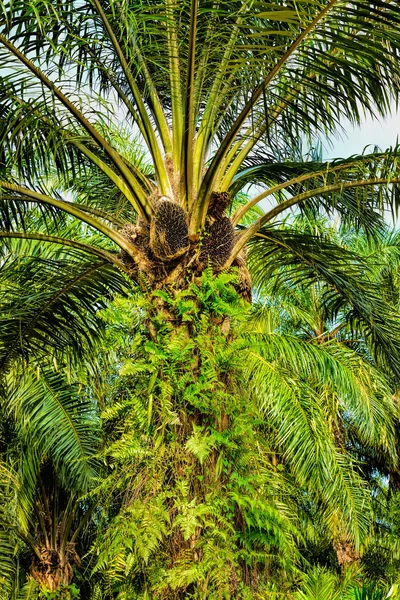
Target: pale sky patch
[(373, 132), (356, 140)]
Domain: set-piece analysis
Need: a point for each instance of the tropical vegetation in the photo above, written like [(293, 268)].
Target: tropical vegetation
[(163, 436)]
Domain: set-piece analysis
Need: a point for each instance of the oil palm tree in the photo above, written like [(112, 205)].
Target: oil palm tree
[(49, 435), (217, 96), (214, 98)]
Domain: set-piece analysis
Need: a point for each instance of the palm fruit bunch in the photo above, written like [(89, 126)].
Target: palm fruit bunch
[(217, 244), (157, 245), (169, 233), (219, 235)]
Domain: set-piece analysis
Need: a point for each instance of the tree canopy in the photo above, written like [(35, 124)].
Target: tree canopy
[(160, 436)]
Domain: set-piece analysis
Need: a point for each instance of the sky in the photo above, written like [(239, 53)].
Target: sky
[(377, 132), (382, 133)]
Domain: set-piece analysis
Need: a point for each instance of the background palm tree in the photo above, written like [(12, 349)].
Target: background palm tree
[(49, 436)]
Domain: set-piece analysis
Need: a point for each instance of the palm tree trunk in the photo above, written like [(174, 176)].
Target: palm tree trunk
[(54, 571)]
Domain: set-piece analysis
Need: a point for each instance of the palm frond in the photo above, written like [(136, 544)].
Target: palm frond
[(22, 195), (324, 185), (57, 420), (261, 75), (302, 434), (50, 299), (308, 259)]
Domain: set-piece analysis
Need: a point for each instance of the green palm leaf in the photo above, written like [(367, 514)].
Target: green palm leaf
[(56, 420), (302, 259), (50, 300)]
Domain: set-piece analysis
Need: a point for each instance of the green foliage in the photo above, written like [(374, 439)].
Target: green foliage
[(322, 584), (70, 592), (49, 300), (228, 463), (215, 423), (200, 507), (292, 256)]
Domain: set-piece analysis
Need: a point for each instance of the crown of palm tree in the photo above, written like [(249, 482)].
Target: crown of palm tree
[(212, 98)]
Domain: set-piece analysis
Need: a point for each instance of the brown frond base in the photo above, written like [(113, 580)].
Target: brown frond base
[(144, 261), (54, 570), (345, 552)]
